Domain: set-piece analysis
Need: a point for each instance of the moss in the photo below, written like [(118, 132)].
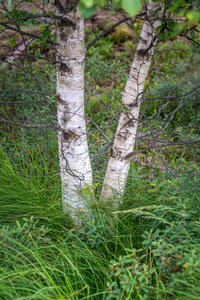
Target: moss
[(122, 33), (2, 54), (130, 46)]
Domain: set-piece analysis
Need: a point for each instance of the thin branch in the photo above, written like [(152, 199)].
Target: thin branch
[(38, 16), (104, 33), (27, 91), (176, 143)]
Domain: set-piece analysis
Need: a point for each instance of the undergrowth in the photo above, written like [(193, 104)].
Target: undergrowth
[(146, 248)]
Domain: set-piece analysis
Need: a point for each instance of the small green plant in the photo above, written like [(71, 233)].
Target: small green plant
[(130, 277), (20, 241), (95, 232), (175, 253)]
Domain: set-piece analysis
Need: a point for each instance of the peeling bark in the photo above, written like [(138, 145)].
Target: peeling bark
[(75, 164), (124, 140)]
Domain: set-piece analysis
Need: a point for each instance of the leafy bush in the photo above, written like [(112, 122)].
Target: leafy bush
[(131, 277), (17, 244)]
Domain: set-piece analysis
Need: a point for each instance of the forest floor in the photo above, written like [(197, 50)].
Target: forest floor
[(150, 247)]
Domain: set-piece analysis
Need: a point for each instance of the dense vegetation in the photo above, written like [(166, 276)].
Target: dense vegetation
[(150, 247)]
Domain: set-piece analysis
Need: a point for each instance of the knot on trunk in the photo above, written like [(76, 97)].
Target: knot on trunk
[(68, 135), (144, 53), (63, 68)]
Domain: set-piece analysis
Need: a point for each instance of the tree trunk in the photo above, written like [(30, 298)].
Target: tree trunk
[(124, 140), (109, 4), (75, 164)]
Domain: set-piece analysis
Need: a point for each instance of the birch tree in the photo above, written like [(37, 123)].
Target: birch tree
[(124, 140), (75, 164), (74, 155)]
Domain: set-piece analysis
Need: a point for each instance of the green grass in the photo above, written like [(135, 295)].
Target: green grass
[(147, 247), (43, 257)]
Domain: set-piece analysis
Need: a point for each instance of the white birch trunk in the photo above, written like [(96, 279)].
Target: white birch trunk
[(124, 140), (109, 4), (75, 164)]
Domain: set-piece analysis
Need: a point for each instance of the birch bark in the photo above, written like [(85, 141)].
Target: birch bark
[(75, 164), (124, 140)]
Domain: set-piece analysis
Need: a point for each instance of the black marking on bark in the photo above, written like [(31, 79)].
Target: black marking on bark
[(121, 136), (131, 105), (64, 118), (63, 34), (143, 40), (67, 6), (143, 53), (59, 100), (71, 5), (117, 154), (69, 135), (63, 68), (130, 123), (111, 152), (59, 6), (149, 33), (129, 156), (67, 23)]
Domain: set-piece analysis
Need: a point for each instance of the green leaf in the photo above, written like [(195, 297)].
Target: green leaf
[(86, 12), (192, 34), (33, 9), (88, 3), (46, 32), (119, 271), (197, 3), (18, 224), (131, 6), (171, 24), (86, 191), (12, 43), (37, 52), (194, 15), (29, 22)]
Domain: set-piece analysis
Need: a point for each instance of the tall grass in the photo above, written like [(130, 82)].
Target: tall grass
[(43, 257)]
